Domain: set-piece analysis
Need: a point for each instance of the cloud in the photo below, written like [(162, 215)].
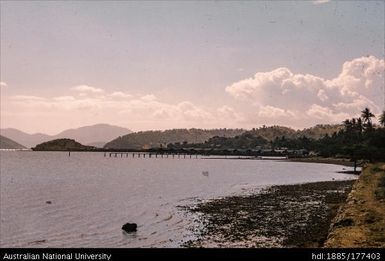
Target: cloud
[(148, 97), (120, 95), (141, 110), (323, 113), (279, 96), (320, 2), (322, 95), (64, 98), (274, 112), (27, 98), (191, 112), (227, 112), (87, 89), (282, 93), (3, 84)]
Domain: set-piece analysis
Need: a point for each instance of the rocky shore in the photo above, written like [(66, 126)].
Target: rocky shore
[(280, 216)]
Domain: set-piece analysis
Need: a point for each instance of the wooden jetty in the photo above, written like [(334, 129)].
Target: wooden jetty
[(149, 155)]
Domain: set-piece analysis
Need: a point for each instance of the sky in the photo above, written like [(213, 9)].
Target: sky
[(203, 64)]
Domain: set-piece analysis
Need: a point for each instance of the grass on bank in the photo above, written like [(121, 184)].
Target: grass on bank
[(361, 221)]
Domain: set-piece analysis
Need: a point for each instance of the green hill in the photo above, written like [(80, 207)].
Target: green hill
[(62, 145), (6, 143), (316, 132), (320, 130), (156, 139)]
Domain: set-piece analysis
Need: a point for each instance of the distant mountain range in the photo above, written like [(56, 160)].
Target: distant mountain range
[(156, 139), (95, 135), (114, 137), (28, 140), (6, 143)]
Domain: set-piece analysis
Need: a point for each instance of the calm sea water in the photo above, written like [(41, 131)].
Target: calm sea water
[(92, 196)]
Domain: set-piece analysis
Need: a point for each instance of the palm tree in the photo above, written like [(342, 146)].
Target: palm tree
[(382, 118), (359, 127), (367, 116), (359, 124), (347, 124)]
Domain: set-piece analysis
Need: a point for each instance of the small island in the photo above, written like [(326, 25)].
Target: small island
[(62, 145)]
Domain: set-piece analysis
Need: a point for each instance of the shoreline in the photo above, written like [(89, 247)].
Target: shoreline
[(361, 221), (335, 161), (297, 215)]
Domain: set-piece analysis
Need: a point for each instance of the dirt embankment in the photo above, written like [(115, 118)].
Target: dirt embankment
[(361, 221)]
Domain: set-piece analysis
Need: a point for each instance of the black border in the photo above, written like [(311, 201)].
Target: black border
[(348, 254)]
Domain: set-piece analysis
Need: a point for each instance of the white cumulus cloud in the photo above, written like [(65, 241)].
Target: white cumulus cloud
[(120, 95), (87, 89), (320, 2), (146, 111), (282, 93)]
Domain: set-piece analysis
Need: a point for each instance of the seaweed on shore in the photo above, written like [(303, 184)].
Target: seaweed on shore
[(280, 216)]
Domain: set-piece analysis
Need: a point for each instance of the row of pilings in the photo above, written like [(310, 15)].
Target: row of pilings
[(149, 155)]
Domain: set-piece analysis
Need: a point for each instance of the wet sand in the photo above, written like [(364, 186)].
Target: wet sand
[(280, 216)]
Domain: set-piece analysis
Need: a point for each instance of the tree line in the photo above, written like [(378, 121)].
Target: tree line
[(358, 139)]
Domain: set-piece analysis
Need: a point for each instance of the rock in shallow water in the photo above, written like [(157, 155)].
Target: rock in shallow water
[(129, 227)]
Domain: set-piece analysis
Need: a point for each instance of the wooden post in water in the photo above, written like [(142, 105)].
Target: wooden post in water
[(69, 154)]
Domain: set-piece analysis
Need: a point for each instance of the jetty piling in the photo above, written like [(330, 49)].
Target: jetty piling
[(149, 155)]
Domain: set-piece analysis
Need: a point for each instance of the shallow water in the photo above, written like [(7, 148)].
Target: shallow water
[(92, 196)]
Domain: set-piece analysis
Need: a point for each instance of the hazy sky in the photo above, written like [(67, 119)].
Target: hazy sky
[(167, 64)]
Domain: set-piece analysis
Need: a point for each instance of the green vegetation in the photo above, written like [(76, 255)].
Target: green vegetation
[(274, 140), (361, 221), (380, 190), (357, 139), (6, 143), (62, 145), (160, 139), (382, 119), (178, 138)]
